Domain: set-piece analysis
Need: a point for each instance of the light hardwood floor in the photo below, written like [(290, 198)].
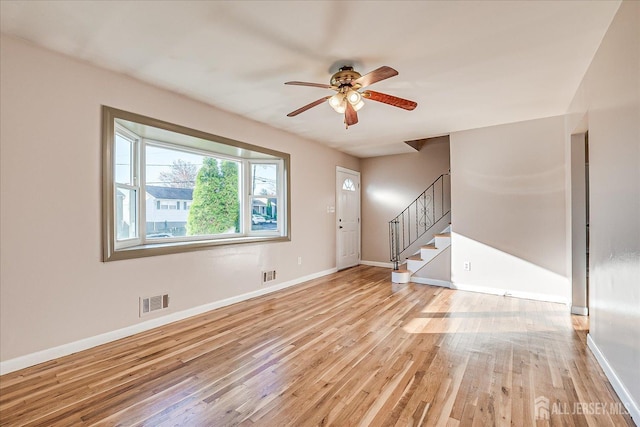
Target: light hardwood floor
[(346, 349)]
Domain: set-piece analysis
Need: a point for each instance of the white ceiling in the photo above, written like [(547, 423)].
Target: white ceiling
[(468, 64)]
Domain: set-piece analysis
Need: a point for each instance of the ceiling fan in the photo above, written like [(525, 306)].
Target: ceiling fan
[(348, 100)]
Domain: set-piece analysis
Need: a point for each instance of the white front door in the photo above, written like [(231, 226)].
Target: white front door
[(347, 217)]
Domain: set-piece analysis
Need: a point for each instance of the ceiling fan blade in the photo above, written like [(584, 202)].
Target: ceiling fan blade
[(324, 86), (308, 106), (389, 99), (350, 115), (376, 75)]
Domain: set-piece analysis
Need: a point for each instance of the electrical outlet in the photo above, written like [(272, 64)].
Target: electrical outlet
[(467, 266), (299, 260)]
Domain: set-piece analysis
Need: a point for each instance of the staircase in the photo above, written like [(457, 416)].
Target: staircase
[(423, 230), (427, 253)]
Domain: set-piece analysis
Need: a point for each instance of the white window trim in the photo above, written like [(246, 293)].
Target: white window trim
[(137, 185), (251, 196), (141, 246)]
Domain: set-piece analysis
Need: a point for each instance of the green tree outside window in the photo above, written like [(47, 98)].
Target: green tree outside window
[(216, 203)]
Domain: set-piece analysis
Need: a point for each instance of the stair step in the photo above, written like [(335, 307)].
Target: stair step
[(400, 276), (415, 258), (443, 235), (429, 246)]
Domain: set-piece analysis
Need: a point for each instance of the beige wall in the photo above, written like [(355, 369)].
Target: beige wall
[(610, 97), (390, 184), (508, 209), (54, 289)]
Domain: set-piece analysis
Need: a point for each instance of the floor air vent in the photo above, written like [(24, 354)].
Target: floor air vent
[(154, 303), (268, 276)]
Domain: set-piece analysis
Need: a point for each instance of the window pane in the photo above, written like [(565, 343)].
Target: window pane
[(348, 185), (264, 179), (126, 213), (264, 213), (168, 167), (216, 199), (124, 160), (207, 187)]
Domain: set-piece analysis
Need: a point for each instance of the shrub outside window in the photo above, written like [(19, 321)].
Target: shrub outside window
[(168, 189)]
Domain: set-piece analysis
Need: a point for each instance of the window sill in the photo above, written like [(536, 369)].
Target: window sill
[(154, 249)]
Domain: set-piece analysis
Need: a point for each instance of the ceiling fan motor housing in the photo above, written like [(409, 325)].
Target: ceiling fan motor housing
[(344, 77)]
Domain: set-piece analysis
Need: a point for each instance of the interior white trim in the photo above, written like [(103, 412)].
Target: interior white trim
[(624, 395), (86, 343), (377, 263), (582, 311), (510, 293), (434, 282)]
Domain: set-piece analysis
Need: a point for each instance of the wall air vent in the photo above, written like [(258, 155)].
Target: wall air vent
[(154, 303), (268, 276)]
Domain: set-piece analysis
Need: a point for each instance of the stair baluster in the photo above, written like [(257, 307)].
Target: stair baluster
[(419, 217)]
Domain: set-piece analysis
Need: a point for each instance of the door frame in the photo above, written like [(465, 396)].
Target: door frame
[(579, 217), (340, 169)]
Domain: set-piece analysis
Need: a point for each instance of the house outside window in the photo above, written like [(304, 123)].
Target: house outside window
[(169, 189), (264, 196), (161, 223)]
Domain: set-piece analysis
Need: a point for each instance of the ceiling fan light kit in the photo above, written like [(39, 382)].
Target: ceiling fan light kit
[(339, 101), (355, 99), (348, 100)]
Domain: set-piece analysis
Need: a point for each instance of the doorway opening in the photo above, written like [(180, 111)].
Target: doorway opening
[(580, 223)]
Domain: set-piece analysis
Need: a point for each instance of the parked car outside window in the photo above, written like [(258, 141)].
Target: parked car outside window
[(257, 219)]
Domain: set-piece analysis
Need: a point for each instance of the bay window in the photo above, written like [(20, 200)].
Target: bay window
[(167, 189)]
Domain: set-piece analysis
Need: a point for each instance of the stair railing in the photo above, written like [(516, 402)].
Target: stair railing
[(423, 213)]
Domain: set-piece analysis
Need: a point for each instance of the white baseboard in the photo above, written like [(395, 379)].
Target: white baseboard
[(510, 293), (582, 311), (434, 282), (624, 395), (86, 343), (377, 263)]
